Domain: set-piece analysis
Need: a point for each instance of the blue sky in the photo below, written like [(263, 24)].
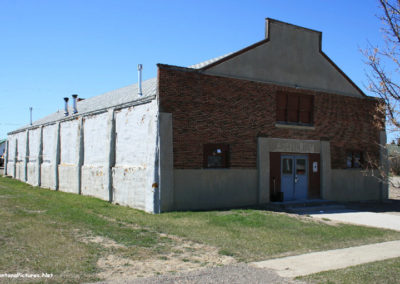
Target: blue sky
[(52, 49)]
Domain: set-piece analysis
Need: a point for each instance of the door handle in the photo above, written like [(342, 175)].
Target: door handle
[(296, 179)]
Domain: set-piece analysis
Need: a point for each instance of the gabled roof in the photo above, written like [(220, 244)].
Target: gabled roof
[(209, 62), (128, 94), (289, 55), (232, 61)]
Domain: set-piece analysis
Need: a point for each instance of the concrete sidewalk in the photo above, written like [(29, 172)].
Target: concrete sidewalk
[(315, 262), (371, 219)]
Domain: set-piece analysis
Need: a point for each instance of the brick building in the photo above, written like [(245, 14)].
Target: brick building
[(276, 120)]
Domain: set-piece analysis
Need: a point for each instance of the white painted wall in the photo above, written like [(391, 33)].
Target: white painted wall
[(133, 174), (34, 140), (11, 155), (68, 179), (21, 151), (95, 132), (49, 141), (135, 170), (68, 142), (94, 178), (49, 147)]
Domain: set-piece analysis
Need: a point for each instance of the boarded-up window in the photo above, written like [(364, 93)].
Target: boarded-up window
[(294, 108), (216, 156)]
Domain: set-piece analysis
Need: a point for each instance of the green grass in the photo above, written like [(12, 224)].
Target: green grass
[(251, 235), (382, 272), (40, 230)]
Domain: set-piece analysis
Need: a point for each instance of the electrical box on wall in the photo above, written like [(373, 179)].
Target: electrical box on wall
[(315, 167)]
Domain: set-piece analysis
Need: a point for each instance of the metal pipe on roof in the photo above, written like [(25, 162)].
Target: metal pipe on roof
[(74, 96), (66, 106), (30, 111), (139, 68)]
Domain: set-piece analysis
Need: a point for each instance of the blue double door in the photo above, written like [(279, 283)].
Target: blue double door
[(294, 177)]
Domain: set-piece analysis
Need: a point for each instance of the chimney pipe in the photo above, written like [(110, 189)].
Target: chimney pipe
[(30, 111), (139, 68), (74, 96), (66, 106)]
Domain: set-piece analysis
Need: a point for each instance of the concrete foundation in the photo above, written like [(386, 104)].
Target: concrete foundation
[(20, 171), (67, 178), (212, 189), (166, 162), (47, 175), (129, 185), (353, 185), (94, 182), (32, 174)]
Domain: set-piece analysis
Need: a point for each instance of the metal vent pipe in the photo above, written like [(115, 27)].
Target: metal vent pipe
[(30, 112), (74, 96), (66, 106), (139, 68)]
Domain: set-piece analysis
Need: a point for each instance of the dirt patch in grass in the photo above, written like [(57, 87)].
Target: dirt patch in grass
[(119, 261), (309, 219), (124, 262), (183, 257), (100, 240)]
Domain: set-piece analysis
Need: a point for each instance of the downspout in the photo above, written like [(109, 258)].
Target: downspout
[(157, 165), (156, 184)]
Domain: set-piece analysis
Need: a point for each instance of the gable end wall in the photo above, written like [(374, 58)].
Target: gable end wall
[(213, 109)]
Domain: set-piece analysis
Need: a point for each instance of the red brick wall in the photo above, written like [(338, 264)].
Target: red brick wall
[(213, 109)]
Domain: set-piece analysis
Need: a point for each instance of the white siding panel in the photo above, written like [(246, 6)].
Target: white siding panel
[(68, 142), (95, 133), (49, 140), (133, 174)]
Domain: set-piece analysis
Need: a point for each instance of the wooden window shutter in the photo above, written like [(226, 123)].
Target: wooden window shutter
[(305, 109), (281, 102), (293, 108)]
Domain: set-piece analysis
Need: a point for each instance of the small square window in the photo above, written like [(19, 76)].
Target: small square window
[(216, 156), (354, 159)]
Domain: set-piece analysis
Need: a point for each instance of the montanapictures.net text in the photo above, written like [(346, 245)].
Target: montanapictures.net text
[(25, 275)]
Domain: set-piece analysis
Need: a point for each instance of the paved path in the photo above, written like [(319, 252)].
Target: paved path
[(310, 263), (280, 270), (371, 219)]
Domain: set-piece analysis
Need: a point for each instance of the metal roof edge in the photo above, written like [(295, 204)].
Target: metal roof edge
[(93, 112)]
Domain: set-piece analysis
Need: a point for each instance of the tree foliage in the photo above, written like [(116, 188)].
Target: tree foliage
[(384, 62)]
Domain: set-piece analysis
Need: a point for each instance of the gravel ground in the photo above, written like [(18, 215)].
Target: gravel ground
[(232, 274)]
